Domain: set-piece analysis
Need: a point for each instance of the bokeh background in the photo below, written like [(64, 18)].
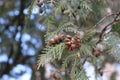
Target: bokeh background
[(20, 43), (22, 38)]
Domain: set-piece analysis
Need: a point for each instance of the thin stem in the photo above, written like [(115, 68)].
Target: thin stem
[(105, 28)]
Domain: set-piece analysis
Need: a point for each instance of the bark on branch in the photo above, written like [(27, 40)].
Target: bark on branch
[(105, 28)]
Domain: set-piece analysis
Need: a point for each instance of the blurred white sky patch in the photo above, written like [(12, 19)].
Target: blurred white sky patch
[(37, 42), (89, 70), (117, 67), (31, 52), (6, 77), (24, 46), (18, 70), (13, 13), (25, 37), (24, 70), (32, 16), (9, 34), (28, 50), (28, 73), (25, 11), (118, 71), (35, 10), (17, 36), (3, 58), (118, 45), (3, 21), (25, 77), (48, 11), (40, 27), (48, 69), (12, 28)]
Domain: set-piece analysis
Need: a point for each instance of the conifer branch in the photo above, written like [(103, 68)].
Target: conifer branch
[(102, 20), (105, 28)]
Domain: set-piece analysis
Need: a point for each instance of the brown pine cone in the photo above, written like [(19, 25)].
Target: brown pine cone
[(56, 39), (68, 36), (67, 40), (72, 43), (73, 46), (67, 47), (76, 37), (55, 76), (78, 40), (78, 46), (78, 7), (70, 48), (62, 11), (97, 52), (52, 41), (68, 43)]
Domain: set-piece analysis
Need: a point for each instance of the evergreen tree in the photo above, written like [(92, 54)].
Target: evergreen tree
[(73, 33), (78, 31)]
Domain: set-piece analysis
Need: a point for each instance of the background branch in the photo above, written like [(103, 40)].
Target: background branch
[(105, 28)]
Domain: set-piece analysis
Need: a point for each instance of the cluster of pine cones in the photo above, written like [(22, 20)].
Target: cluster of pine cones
[(57, 39), (71, 42)]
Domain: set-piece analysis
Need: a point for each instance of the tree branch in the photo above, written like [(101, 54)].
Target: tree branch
[(105, 28)]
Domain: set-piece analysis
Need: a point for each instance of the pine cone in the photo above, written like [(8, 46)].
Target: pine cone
[(73, 46), (67, 40), (97, 52), (76, 37), (52, 41), (78, 7), (72, 42), (77, 41), (68, 36), (56, 39), (55, 76)]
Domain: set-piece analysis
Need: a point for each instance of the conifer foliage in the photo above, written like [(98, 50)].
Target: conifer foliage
[(71, 37)]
